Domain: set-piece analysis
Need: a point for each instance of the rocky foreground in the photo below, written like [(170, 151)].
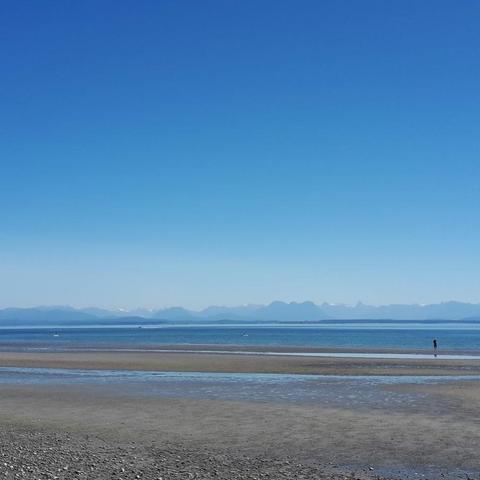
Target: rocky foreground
[(43, 455)]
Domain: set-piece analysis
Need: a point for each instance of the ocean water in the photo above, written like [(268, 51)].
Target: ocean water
[(451, 336)]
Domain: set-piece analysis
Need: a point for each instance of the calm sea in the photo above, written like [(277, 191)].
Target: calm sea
[(452, 336)]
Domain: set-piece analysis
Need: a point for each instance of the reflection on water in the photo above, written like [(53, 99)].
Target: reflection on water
[(326, 390)]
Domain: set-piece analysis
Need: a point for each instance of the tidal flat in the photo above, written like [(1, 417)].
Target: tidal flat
[(358, 417)]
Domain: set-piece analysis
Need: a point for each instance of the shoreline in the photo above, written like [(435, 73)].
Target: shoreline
[(396, 354), (222, 348)]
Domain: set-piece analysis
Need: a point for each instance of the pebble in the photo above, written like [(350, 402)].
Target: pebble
[(46, 455)]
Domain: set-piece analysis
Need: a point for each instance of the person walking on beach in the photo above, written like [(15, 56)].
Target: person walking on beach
[(435, 346)]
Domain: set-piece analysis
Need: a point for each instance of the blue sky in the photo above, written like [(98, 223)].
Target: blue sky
[(225, 152)]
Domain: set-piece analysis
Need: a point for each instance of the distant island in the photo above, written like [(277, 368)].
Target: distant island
[(279, 312)]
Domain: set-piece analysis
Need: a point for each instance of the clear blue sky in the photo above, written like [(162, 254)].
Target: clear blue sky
[(160, 153)]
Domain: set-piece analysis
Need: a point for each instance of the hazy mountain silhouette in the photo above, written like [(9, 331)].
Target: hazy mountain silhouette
[(290, 312), (175, 313), (274, 312), (41, 315)]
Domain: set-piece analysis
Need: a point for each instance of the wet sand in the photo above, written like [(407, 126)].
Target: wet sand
[(231, 363), (98, 431), (392, 444)]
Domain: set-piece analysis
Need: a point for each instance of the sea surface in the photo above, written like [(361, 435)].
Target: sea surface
[(369, 335)]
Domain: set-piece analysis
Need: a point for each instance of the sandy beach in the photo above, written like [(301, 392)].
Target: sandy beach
[(268, 438), (97, 432)]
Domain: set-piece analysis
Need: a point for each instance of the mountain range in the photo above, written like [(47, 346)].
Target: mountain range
[(274, 312)]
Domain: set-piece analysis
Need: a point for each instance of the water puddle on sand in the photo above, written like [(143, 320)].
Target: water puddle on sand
[(399, 356), (324, 390), (379, 355)]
